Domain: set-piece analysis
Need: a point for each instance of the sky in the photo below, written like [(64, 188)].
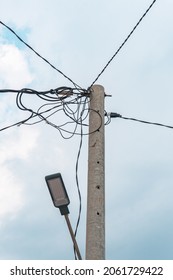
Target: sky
[(79, 37)]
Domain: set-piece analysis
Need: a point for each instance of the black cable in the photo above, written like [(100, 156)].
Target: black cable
[(146, 122), (16, 124), (115, 115), (78, 187), (71, 101), (77, 166), (44, 59), (8, 90), (122, 45)]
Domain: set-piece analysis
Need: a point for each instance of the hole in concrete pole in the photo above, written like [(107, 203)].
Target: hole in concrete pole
[(98, 187), (98, 213)]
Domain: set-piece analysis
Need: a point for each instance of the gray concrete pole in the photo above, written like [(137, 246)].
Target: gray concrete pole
[(95, 232)]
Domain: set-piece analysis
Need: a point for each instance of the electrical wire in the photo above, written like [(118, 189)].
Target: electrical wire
[(40, 56), (73, 103), (116, 115), (124, 42), (78, 187), (65, 99)]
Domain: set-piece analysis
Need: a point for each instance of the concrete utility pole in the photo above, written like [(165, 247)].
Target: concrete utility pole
[(95, 235)]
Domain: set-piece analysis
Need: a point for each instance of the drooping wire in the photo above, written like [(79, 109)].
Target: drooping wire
[(40, 56), (124, 42), (78, 186), (74, 103), (116, 115), (15, 124), (65, 99)]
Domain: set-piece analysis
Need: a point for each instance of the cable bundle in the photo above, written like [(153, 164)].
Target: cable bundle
[(73, 102)]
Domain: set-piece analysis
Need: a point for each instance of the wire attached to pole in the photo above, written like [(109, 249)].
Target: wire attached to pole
[(124, 42), (116, 115), (44, 59)]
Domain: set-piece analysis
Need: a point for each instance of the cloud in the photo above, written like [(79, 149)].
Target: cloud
[(17, 146), (20, 145), (14, 70), (11, 195)]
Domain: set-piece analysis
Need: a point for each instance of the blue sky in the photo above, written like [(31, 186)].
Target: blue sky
[(79, 37), (9, 38)]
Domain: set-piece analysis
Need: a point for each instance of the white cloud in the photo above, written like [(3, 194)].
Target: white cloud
[(14, 71), (11, 195), (17, 146)]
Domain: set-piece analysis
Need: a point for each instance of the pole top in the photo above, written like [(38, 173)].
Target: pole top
[(97, 87)]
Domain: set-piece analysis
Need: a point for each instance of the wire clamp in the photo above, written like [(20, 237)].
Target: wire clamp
[(113, 115)]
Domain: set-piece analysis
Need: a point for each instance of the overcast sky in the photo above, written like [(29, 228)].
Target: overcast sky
[(79, 37)]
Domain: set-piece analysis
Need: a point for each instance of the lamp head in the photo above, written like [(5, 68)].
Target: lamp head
[(58, 192)]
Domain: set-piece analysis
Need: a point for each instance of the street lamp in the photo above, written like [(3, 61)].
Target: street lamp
[(61, 200), (58, 192)]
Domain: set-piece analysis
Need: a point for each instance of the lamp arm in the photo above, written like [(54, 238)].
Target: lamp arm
[(73, 237)]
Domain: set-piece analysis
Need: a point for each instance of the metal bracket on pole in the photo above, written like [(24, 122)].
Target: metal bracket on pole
[(95, 233)]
